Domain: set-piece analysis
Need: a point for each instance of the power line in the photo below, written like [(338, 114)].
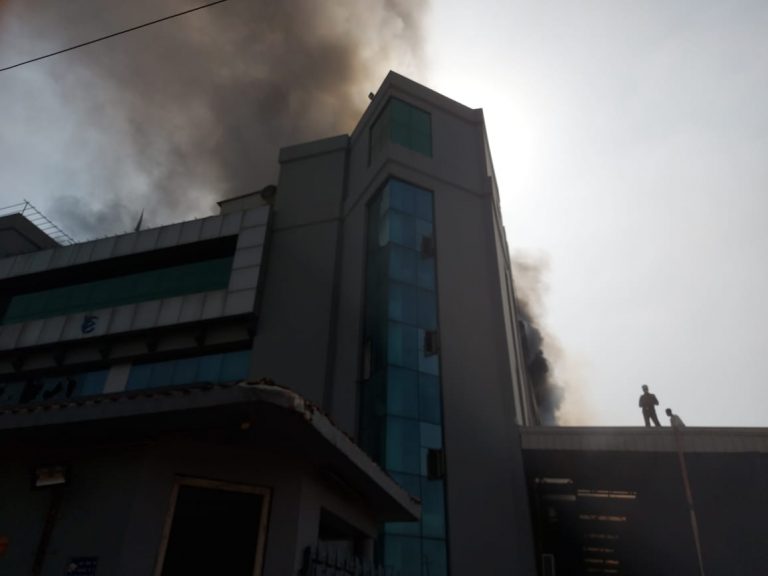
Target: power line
[(108, 36)]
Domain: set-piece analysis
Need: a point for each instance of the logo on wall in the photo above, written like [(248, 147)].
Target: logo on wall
[(84, 566), (89, 324)]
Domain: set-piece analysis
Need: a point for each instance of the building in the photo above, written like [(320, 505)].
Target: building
[(637, 501), (224, 365)]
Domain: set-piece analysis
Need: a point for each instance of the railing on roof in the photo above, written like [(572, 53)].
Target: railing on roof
[(26, 209)]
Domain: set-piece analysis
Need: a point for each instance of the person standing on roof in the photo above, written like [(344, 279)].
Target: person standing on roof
[(674, 419), (648, 403)]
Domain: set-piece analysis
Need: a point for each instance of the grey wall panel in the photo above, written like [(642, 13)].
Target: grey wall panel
[(192, 308), (6, 264), (247, 257), (124, 244), (30, 333), (170, 310), (252, 237), (146, 315), (61, 257), (39, 261), (211, 228), (102, 248), (9, 335), (213, 307), (231, 223), (147, 240), (244, 278), (122, 318), (240, 302), (52, 329), (255, 217), (84, 252), (169, 236), (190, 231)]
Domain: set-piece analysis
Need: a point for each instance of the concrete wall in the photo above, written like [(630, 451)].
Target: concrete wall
[(116, 505), (488, 520), (296, 322)]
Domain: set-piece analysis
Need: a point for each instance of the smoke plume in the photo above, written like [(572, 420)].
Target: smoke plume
[(541, 349), (173, 117)]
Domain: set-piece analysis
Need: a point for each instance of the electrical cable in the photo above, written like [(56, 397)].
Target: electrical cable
[(108, 36)]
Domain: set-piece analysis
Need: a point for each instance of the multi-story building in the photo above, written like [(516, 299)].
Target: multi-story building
[(367, 296)]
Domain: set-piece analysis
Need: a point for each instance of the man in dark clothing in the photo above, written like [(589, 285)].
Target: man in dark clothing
[(648, 403)]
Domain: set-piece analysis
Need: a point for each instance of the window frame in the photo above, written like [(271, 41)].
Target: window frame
[(262, 491)]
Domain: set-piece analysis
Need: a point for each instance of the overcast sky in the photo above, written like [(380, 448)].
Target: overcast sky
[(630, 140)]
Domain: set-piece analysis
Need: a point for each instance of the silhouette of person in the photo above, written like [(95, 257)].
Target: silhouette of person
[(674, 419), (648, 403)]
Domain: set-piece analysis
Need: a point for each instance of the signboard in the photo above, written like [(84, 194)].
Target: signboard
[(82, 566)]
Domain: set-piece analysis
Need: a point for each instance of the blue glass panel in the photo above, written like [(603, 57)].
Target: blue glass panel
[(427, 309), (10, 392), (185, 371), (139, 377), (435, 558), (403, 264), (403, 230), (426, 273), (235, 366), (402, 393), (432, 508), (412, 485), (429, 398), (162, 374), (402, 554), (209, 368), (403, 452), (403, 303), (403, 346), (92, 383)]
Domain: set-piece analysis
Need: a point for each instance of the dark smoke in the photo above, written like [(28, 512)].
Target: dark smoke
[(539, 347), (171, 118)]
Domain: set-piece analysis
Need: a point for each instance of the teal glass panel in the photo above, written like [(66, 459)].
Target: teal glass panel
[(426, 309), (162, 374), (429, 399), (131, 288), (421, 142), (403, 346), (209, 368), (426, 273), (10, 392), (403, 450), (403, 554), (92, 383), (139, 377), (403, 230), (435, 560), (402, 393), (185, 371), (403, 265), (412, 485), (235, 366), (432, 508)]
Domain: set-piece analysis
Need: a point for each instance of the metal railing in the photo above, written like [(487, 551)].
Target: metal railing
[(28, 210)]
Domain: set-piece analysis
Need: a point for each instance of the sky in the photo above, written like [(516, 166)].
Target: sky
[(630, 142)]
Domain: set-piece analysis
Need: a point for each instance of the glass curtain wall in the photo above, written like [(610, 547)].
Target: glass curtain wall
[(400, 413)]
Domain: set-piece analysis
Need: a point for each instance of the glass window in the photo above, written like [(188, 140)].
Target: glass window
[(435, 557), (429, 398), (403, 346), (235, 365), (162, 374), (209, 368), (403, 554), (139, 377), (404, 125), (403, 452), (153, 284), (185, 371), (402, 393)]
